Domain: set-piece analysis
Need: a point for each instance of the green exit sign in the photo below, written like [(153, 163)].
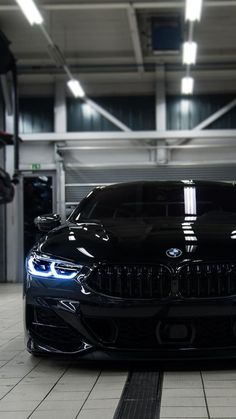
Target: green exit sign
[(35, 166)]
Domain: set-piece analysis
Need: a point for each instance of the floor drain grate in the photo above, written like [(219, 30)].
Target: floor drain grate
[(141, 396)]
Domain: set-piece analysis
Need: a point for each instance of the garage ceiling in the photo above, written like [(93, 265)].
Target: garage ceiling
[(101, 46)]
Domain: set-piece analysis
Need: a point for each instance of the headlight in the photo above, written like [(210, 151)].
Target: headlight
[(44, 266)]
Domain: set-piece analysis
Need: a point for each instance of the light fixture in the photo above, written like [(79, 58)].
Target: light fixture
[(30, 11), (189, 53), (187, 85), (193, 10), (76, 88)]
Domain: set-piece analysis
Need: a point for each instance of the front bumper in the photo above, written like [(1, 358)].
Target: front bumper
[(66, 318)]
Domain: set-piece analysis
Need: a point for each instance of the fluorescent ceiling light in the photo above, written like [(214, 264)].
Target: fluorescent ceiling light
[(30, 11), (187, 85), (189, 53), (76, 88), (193, 10)]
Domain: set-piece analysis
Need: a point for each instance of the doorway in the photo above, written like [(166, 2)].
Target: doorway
[(39, 191)]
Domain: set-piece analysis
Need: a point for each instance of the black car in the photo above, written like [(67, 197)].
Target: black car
[(143, 270)]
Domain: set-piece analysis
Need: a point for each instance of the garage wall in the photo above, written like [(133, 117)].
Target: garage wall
[(138, 112), (86, 168), (38, 153), (87, 177), (36, 115), (187, 113)]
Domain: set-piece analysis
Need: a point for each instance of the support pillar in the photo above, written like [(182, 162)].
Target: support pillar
[(161, 154), (60, 126)]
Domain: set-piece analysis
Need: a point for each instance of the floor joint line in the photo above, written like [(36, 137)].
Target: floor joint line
[(205, 397), (18, 382), (41, 401), (99, 374)]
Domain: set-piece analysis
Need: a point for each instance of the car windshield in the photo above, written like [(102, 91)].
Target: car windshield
[(155, 200)]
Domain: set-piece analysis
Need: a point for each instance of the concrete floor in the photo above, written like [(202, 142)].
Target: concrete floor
[(41, 388)]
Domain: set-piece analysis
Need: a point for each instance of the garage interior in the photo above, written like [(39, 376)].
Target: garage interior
[(138, 112)]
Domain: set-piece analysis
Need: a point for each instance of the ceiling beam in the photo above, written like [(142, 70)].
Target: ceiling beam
[(132, 135), (31, 75), (97, 6), (135, 36), (121, 5)]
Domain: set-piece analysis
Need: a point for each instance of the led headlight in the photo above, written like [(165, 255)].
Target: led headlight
[(46, 267)]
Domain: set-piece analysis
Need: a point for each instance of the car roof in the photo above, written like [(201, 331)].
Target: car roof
[(186, 183)]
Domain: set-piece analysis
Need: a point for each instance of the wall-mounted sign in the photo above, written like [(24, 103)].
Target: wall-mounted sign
[(35, 166)]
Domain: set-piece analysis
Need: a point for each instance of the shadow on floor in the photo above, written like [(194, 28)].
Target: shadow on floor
[(121, 366)]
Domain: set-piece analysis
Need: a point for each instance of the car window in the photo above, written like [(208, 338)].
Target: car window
[(153, 200)]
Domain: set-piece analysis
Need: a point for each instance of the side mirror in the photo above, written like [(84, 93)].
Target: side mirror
[(47, 222)]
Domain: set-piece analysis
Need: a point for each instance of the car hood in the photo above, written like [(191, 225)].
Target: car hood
[(142, 240)]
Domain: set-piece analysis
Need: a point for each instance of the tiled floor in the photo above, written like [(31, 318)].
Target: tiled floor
[(41, 388), (206, 394), (47, 388)]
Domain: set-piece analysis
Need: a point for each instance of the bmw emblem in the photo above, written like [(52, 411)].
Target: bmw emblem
[(174, 252)]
